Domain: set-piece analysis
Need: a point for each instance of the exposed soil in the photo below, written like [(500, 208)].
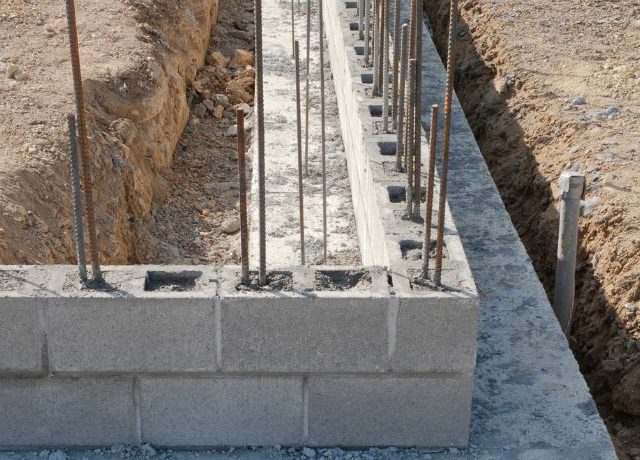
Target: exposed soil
[(549, 86)]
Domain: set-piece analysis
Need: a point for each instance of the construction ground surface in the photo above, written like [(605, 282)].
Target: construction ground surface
[(546, 86)]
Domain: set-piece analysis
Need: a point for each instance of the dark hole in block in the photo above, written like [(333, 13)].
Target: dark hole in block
[(171, 281), (412, 250), (387, 147), (353, 26), (351, 4), (276, 281), (367, 78), (341, 280), (398, 193), (376, 110), (359, 50)]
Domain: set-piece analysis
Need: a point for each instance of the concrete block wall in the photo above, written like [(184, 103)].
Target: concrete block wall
[(195, 362)]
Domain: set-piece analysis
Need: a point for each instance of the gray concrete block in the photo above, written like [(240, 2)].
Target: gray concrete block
[(64, 412), (205, 412), (315, 334), (21, 336), (130, 335), (383, 411), (436, 334)]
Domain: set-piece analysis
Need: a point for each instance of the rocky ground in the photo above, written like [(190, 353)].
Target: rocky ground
[(549, 86)]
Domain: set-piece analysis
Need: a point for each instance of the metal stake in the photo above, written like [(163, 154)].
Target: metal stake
[(376, 46), (445, 145), (396, 61), (401, 101), (367, 31), (76, 195), (409, 163), (433, 139), (242, 182), (572, 188), (261, 164), (323, 137), (385, 67), (296, 52), (306, 97), (84, 141)]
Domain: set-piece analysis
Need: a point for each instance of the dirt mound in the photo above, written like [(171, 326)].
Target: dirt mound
[(138, 60), (542, 95)]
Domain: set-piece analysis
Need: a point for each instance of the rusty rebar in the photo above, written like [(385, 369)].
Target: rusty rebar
[(296, 53), (85, 161), (367, 30), (401, 99), (409, 149), (361, 7), (260, 141), (376, 45), (433, 139), (323, 136), (385, 66), (417, 189), (242, 182), (306, 96), (396, 62), (445, 144), (76, 195)]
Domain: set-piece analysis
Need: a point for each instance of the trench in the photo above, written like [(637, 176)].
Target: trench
[(487, 92)]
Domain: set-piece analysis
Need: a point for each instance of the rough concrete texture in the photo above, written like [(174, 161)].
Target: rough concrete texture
[(21, 333), (281, 160), (63, 411), (221, 411), (363, 411), (529, 399)]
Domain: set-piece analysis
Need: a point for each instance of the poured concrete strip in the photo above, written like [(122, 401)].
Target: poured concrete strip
[(529, 396), (283, 242)]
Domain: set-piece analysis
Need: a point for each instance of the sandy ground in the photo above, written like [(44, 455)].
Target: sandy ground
[(549, 86)]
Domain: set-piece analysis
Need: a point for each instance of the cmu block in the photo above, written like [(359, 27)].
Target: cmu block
[(222, 411), (313, 334), (436, 334), (21, 336), (130, 335), (383, 411), (67, 412)]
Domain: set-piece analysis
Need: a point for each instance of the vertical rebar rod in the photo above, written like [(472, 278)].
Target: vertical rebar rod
[(382, 31), (262, 217), (361, 7), (417, 189), (296, 53), (396, 62), (323, 136), (293, 29), (367, 31), (385, 67), (409, 163), (376, 46), (306, 95), (412, 29), (242, 183), (76, 195), (401, 99), (433, 139), (445, 144), (85, 161)]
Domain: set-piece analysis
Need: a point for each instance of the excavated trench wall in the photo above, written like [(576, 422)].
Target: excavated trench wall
[(182, 356)]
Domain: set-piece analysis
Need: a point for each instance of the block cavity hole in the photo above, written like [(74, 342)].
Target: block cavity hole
[(342, 280), (412, 249), (359, 50), (398, 193), (351, 4), (354, 26), (387, 147), (171, 281)]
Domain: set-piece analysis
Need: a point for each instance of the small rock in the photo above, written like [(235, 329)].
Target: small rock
[(200, 110), (589, 205), (11, 70), (277, 447), (240, 24), (454, 451), (604, 156), (231, 225), (218, 112), (579, 100), (57, 455), (218, 59), (208, 103), (241, 59), (309, 453), (147, 450), (630, 307), (246, 108), (610, 112), (232, 131), (221, 99)]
